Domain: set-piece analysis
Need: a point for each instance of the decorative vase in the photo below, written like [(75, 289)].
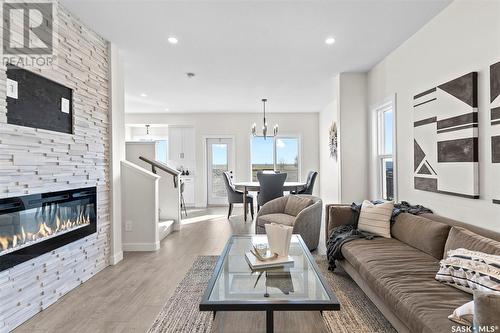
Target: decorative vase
[(279, 237)]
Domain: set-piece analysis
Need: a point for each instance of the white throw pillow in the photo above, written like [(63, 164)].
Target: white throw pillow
[(470, 270), (464, 314), (376, 219)]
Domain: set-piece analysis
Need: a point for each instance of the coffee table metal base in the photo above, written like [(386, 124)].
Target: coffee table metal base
[(270, 321)]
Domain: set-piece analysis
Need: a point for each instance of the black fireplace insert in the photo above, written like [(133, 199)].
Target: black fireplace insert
[(35, 224)]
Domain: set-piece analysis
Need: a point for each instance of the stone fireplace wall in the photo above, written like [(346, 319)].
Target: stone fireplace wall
[(37, 161)]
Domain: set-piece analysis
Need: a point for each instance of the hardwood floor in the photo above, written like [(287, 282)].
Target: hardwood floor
[(127, 297)]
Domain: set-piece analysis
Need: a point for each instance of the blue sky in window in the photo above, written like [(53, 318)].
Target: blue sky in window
[(161, 151), (262, 150), (388, 132), (219, 154), (287, 150)]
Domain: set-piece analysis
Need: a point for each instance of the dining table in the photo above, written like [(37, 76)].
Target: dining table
[(255, 187)]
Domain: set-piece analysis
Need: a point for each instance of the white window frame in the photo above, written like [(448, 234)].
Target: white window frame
[(283, 136), (389, 104)]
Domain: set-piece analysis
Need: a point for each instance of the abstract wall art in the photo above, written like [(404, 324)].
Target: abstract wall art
[(495, 120), (333, 140), (446, 138)]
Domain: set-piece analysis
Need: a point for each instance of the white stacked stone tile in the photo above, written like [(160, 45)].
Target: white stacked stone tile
[(37, 161)]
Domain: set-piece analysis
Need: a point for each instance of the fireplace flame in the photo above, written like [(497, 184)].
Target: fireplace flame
[(44, 230), (4, 243)]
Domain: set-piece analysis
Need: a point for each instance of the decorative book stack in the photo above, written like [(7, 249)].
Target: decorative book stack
[(275, 253)]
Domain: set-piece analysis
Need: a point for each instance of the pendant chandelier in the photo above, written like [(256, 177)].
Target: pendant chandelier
[(264, 127)]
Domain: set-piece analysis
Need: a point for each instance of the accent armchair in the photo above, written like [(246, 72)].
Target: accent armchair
[(302, 212)]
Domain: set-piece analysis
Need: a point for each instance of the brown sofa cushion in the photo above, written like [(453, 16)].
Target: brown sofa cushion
[(284, 219), (403, 277), (463, 238), (338, 215), (295, 204), (426, 235)]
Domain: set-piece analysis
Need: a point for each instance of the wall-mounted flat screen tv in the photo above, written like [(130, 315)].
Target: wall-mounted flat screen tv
[(35, 101)]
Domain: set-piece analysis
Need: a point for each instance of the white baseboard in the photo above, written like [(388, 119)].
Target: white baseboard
[(136, 247), (116, 258)]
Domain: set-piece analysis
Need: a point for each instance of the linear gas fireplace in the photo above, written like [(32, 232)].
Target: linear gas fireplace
[(35, 224)]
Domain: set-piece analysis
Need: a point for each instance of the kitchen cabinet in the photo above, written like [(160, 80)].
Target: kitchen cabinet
[(181, 143), (181, 147)]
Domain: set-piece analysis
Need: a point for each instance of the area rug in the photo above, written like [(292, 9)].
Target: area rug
[(181, 314)]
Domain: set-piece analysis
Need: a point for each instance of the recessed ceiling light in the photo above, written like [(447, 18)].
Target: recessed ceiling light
[(144, 95), (173, 40), (166, 109), (329, 41)]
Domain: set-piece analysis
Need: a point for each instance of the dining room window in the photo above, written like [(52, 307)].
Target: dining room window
[(275, 154)]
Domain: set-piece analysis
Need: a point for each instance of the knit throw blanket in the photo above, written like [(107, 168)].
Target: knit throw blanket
[(345, 233)]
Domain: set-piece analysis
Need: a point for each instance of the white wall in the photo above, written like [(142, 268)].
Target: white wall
[(238, 125), (329, 174), (464, 37), (137, 132), (117, 150), (353, 136), (140, 208)]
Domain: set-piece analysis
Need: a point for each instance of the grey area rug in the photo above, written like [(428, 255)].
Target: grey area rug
[(181, 314)]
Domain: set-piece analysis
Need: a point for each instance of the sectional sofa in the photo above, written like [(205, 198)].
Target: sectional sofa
[(397, 273)]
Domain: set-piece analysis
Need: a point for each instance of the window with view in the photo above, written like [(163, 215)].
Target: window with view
[(278, 154), (385, 158), (162, 150)]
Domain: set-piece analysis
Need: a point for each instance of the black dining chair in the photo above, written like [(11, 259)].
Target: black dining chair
[(271, 187), (234, 196), (311, 179)]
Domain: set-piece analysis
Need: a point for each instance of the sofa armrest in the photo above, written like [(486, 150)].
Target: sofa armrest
[(335, 215), (272, 207)]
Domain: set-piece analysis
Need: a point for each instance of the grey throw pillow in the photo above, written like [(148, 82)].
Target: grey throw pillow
[(296, 204)]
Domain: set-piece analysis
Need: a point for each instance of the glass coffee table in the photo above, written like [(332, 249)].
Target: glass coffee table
[(294, 287)]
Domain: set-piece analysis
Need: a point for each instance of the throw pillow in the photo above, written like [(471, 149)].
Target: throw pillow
[(470, 270), (376, 219), (295, 204), (486, 309), (464, 314)]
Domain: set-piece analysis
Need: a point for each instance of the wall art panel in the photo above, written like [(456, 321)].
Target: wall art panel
[(446, 138), (495, 121)]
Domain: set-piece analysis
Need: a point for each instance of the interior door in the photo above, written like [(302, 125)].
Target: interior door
[(219, 159)]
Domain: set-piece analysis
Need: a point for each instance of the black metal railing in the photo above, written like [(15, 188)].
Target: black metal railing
[(162, 166)]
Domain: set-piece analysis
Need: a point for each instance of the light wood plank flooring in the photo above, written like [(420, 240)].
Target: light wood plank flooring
[(127, 297)]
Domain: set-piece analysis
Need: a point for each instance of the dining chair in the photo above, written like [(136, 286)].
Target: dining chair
[(271, 187), (308, 189), (234, 196)]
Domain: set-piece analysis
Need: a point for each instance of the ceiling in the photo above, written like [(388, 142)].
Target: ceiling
[(242, 51)]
